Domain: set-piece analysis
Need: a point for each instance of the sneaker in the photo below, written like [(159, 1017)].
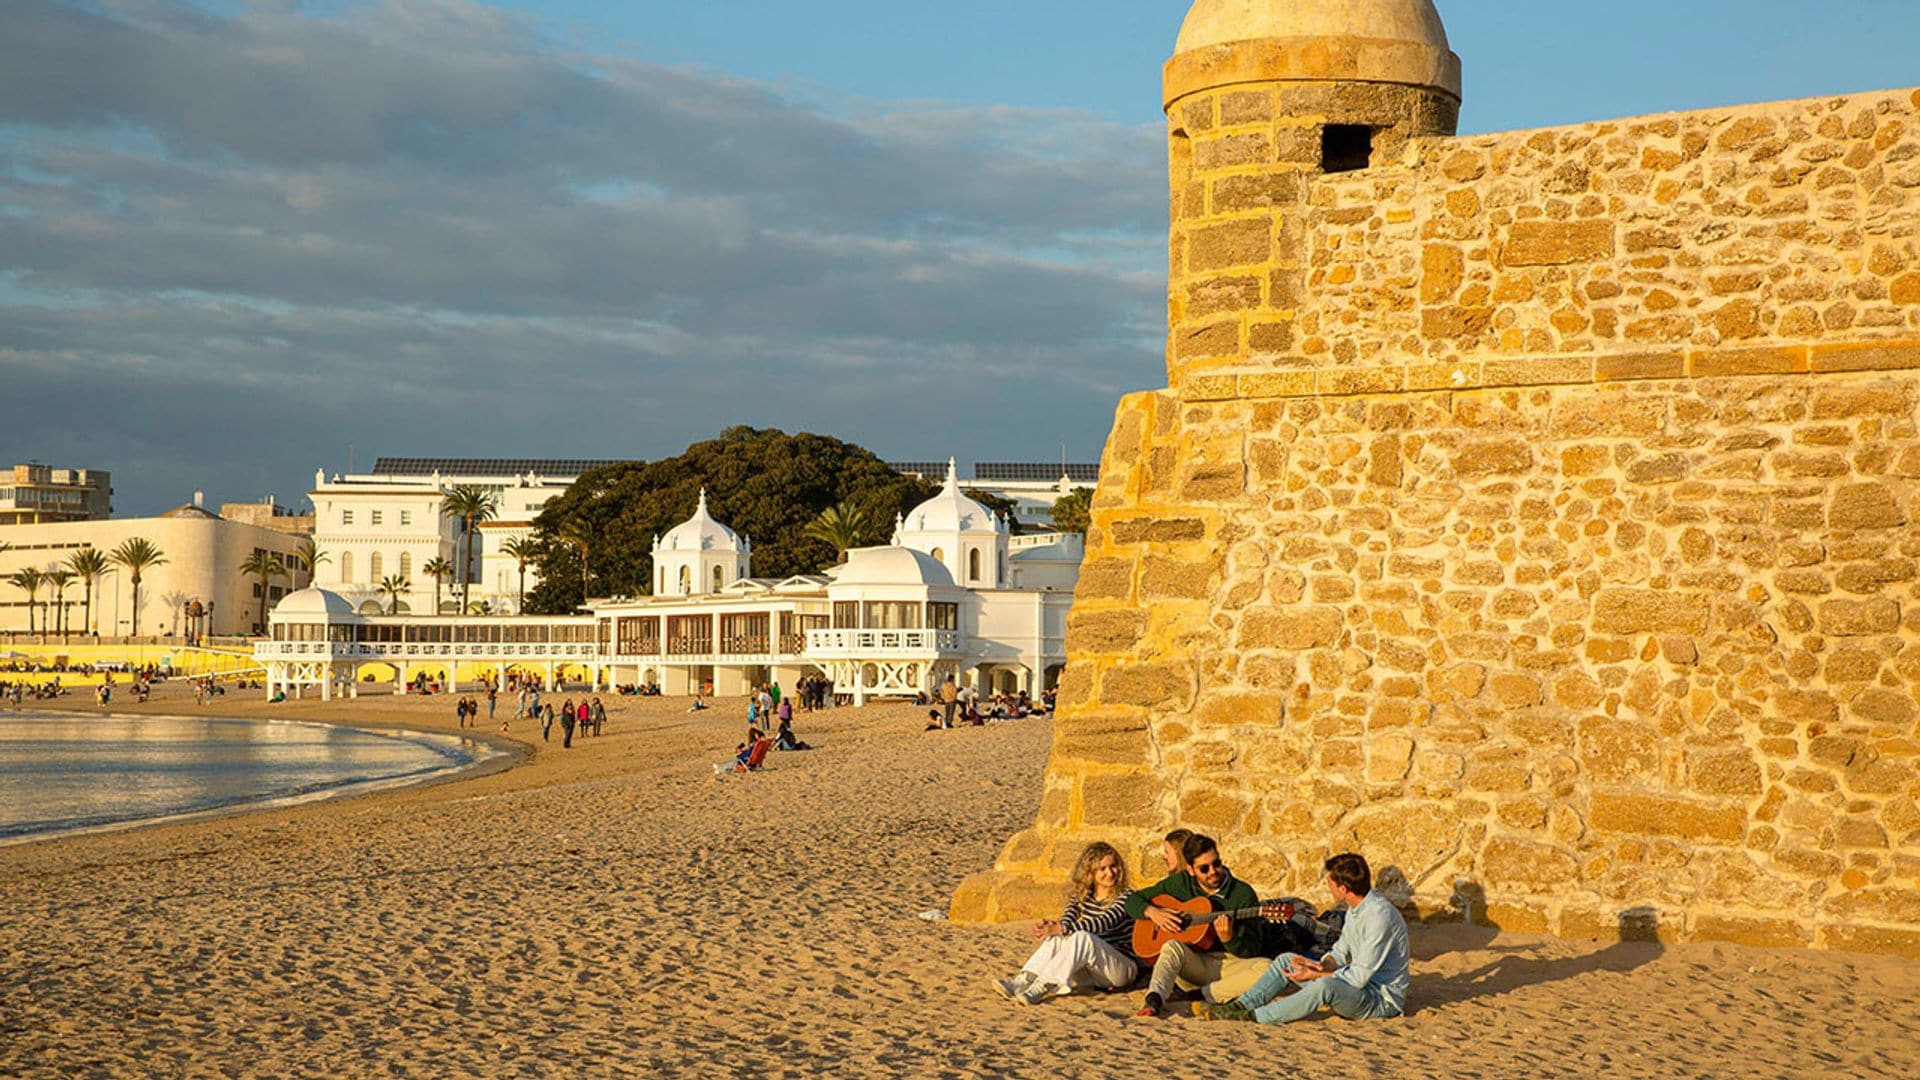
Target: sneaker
[(1223, 1010), (1007, 989), (1150, 1007), (1041, 992)]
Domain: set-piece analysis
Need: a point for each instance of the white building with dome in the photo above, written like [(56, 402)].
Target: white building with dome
[(954, 594), (698, 557)]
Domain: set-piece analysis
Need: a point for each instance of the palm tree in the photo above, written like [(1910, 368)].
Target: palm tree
[(308, 552), (266, 566), (521, 550), (441, 570), (59, 577), (843, 525), (472, 504), (30, 579), (578, 535), (393, 586), (89, 565), (137, 553)]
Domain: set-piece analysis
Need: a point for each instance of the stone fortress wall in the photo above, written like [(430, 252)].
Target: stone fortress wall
[(1535, 513)]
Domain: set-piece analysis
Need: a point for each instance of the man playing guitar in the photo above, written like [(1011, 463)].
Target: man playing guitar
[(1223, 973)]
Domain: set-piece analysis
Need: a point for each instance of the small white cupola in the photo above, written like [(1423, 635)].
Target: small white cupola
[(699, 556), (963, 535)]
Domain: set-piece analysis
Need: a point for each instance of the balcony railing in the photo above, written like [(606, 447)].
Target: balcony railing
[(845, 642)]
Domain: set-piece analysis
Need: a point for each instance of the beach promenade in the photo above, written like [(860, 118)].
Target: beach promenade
[(617, 910)]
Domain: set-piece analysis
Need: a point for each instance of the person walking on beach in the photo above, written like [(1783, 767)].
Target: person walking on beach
[(949, 698), (566, 725), (546, 725), (1365, 977), (599, 717), (491, 694), (520, 704), (585, 713)]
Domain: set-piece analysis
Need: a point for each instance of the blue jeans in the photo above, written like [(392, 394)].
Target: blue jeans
[(1343, 998)]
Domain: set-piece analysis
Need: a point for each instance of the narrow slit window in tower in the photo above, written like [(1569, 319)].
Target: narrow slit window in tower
[(1345, 147)]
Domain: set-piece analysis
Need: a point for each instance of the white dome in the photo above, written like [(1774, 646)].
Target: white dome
[(952, 511), (891, 566), (312, 604), (1217, 22), (700, 533)]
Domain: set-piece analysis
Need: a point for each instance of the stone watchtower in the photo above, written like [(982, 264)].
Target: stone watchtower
[(1535, 513), (1261, 97)]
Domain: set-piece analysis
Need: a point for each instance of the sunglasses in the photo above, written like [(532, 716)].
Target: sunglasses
[(1209, 868)]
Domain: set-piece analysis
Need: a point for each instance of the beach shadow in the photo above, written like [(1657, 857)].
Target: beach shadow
[(1515, 970)]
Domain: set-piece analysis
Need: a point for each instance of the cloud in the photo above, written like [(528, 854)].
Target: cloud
[(420, 226)]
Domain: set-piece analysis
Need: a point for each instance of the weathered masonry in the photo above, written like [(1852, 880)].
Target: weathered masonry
[(1537, 513)]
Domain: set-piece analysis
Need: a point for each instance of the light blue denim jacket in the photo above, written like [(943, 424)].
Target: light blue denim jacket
[(1372, 952)]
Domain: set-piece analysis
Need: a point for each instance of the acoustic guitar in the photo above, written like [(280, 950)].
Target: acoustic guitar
[(1196, 920)]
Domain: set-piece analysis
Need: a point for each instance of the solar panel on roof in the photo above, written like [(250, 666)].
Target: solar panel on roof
[(919, 468), (1036, 471), (550, 467)]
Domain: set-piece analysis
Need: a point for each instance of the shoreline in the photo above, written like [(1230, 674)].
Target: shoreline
[(504, 754), (495, 754)]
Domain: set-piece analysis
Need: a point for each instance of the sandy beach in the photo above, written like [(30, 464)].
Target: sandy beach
[(615, 909)]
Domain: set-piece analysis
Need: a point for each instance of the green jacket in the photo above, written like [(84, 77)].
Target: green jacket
[(1181, 885)]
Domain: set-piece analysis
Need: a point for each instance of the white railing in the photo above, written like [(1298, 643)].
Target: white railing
[(845, 643), (430, 650)]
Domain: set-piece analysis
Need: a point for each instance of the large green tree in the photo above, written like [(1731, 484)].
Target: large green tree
[(1070, 510), (764, 483)]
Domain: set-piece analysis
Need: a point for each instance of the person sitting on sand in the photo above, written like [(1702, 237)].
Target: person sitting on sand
[(699, 704), (1170, 845), (744, 752), (785, 740), (1365, 977), (1089, 945), (1237, 961)]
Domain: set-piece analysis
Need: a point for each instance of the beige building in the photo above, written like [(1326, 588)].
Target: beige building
[(203, 554), (39, 493)]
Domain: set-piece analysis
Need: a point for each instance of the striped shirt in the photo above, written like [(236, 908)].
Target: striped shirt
[(1107, 921)]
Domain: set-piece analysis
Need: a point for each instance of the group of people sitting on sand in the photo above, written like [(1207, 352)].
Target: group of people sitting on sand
[(1271, 963)]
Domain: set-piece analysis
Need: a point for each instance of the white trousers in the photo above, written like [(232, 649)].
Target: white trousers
[(1080, 960)]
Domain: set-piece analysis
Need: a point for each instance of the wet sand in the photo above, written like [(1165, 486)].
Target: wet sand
[(615, 909)]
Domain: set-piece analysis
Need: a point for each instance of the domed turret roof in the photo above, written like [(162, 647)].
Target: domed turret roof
[(1386, 41), (1216, 22), (952, 511), (891, 566), (700, 533), (313, 604)]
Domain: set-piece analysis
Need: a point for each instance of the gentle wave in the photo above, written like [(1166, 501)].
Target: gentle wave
[(62, 773)]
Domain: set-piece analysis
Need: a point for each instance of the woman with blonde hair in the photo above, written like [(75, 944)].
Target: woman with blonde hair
[(1089, 945)]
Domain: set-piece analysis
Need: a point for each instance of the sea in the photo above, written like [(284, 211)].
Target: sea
[(75, 772)]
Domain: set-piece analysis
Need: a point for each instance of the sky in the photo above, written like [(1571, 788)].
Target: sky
[(242, 241)]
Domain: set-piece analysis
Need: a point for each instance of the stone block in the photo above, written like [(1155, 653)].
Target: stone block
[(1241, 708), (1493, 457), (1865, 506), (1649, 611), (1104, 631), (1100, 737), (1621, 367), (1725, 772), (1417, 839), (1763, 932), (1233, 194), (1147, 685), (1557, 243), (1291, 628), (1162, 577), (1123, 799), (1509, 863), (1212, 811), (1875, 356), (1856, 618), (1633, 924), (1233, 243), (1880, 941), (1663, 815)]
